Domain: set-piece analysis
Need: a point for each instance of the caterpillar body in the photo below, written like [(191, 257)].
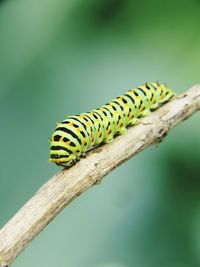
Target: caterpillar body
[(77, 134)]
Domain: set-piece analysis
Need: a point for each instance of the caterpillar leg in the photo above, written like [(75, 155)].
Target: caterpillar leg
[(122, 131), (133, 121), (145, 112), (83, 155), (167, 97), (154, 106), (108, 139)]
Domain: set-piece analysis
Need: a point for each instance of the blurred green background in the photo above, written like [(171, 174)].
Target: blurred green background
[(65, 57)]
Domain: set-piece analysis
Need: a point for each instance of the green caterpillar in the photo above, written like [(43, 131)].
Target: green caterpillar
[(76, 134)]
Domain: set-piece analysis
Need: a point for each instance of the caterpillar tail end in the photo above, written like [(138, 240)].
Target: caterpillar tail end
[(169, 94)]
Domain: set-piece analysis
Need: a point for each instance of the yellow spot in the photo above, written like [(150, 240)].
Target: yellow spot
[(84, 141), (108, 131), (79, 129), (73, 149)]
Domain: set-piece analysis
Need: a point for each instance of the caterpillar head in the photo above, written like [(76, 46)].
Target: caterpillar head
[(60, 152), (65, 160)]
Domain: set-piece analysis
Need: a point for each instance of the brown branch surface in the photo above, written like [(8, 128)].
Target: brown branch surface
[(66, 185)]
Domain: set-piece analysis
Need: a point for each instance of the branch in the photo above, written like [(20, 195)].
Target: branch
[(66, 185)]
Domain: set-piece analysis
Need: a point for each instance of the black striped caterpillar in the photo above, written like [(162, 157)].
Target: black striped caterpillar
[(77, 134)]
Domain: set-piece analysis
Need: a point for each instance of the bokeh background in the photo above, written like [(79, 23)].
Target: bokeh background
[(65, 57)]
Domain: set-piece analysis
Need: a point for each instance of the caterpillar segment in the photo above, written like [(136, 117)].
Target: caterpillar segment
[(77, 134)]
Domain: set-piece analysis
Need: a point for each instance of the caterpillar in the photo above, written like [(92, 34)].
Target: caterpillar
[(77, 134)]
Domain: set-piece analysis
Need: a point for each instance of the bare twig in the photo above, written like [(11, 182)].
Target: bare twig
[(66, 185)]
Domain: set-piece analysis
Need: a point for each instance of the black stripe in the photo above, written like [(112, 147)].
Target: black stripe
[(155, 91), (143, 91), (122, 109), (56, 156), (132, 100), (85, 118), (98, 114), (72, 118), (113, 107), (140, 103), (61, 148), (82, 133), (95, 116), (124, 100), (135, 93), (91, 126), (109, 111), (65, 130), (147, 86), (103, 111), (167, 93), (75, 125), (65, 139), (89, 118), (72, 144), (109, 123), (153, 87)]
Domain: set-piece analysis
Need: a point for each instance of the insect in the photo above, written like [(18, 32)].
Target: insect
[(77, 134)]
